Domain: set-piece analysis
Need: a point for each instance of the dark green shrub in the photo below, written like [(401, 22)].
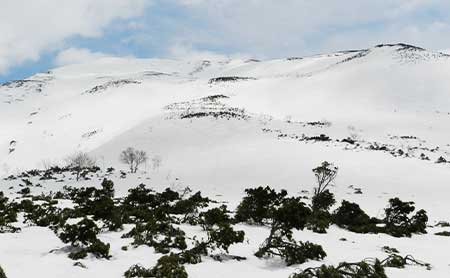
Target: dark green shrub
[(190, 205), (168, 266), (301, 252), (361, 269), (390, 250), (323, 201), (168, 195), (256, 206), (138, 271), (397, 261), (291, 251), (2, 273), (350, 216), (43, 215), (320, 218), (108, 188), (160, 235), (8, 215), (83, 236), (444, 233), (82, 233), (223, 236), (78, 254), (99, 249), (398, 221), (194, 255), (143, 204), (98, 203), (319, 221), (25, 191), (215, 216), (292, 214)]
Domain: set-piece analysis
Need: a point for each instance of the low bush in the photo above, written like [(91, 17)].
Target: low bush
[(215, 216), (399, 220), (168, 266), (162, 236), (361, 269), (83, 237), (256, 207), (351, 217), (320, 218), (43, 215), (223, 236), (292, 214), (8, 215), (443, 233)]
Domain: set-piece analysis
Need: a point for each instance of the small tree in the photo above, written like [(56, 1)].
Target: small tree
[(322, 199), (325, 175), (292, 214), (79, 161), (133, 158)]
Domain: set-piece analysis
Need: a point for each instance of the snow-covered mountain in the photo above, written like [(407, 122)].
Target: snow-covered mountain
[(382, 115)]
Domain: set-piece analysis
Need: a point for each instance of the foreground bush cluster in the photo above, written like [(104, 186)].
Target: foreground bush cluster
[(156, 219)]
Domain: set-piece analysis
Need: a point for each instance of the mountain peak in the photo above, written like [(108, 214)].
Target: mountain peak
[(401, 46)]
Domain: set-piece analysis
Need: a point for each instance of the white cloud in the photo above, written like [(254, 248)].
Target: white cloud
[(289, 27), (27, 28), (187, 52), (77, 56)]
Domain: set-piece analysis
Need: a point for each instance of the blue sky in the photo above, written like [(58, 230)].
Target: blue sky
[(43, 34)]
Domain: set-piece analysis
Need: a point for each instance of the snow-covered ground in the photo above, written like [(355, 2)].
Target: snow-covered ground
[(390, 103)]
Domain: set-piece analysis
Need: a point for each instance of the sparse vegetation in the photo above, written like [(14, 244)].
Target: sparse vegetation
[(8, 215), (368, 268), (156, 219), (443, 233), (133, 158), (82, 236), (350, 216), (397, 222), (80, 161), (291, 214), (345, 270), (322, 199)]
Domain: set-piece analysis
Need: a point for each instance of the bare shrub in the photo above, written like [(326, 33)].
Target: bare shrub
[(133, 158), (79, 161)]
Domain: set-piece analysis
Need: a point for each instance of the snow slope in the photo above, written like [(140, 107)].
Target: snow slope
[(223, 135)]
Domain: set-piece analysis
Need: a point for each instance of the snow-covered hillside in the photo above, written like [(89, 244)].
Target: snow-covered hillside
[(382, 115)]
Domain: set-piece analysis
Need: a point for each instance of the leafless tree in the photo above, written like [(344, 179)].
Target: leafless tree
[(79, 161), (133, 158), (325, 175), (156, 161)]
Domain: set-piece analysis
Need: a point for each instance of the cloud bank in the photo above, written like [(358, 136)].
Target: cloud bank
[(29, 28)]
